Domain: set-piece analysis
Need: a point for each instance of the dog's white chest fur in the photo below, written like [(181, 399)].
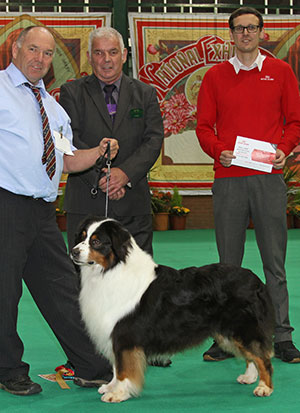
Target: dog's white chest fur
[(107, 297)]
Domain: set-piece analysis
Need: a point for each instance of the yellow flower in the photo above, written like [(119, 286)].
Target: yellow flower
[(179, 210)]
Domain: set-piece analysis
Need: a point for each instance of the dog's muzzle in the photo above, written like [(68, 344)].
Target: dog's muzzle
[(75, 256)]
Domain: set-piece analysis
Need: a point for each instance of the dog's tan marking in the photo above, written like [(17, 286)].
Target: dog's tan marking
[(132, 366), (264, 367), (98, 258), (129, 378), (94, 255), (265, 386)]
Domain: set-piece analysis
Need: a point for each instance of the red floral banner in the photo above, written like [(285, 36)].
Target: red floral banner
[(172, 53), (71, 33)]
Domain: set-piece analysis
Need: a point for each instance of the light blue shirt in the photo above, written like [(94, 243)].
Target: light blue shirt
[(21, 137)]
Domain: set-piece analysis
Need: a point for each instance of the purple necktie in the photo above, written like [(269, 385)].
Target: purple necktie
[(110, 101)]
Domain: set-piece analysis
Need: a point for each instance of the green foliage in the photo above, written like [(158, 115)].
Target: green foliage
[(168, 202), (176, 199), (293, 191), (294, 202), (176, 204)]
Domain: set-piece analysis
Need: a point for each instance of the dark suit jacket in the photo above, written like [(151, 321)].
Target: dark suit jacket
[(139, 133)]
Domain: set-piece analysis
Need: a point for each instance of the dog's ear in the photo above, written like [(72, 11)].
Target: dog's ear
[(120, 239), (81, 232)]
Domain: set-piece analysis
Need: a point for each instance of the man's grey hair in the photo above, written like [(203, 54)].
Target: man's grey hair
[(105, 32)]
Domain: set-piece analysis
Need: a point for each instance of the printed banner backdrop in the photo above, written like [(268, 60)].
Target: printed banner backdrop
[(172, 52), (71, 32)]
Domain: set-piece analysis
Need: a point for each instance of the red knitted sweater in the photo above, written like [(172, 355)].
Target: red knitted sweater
[(258, 105)]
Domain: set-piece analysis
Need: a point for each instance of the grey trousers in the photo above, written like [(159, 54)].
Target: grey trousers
[(262, 198)]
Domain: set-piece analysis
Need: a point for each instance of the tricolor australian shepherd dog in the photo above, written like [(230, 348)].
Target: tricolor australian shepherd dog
[(134, 308)]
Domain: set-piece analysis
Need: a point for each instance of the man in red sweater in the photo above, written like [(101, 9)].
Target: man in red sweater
[(257, 97)]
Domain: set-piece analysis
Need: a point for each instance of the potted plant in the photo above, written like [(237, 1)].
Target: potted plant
[(296, 214), (160, 206), (294, 206), (178, 213), (293, 195), (61, 218)]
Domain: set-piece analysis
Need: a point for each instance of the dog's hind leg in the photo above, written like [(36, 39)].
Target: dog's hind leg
[(265, 370), (250, 375), (128, 376), (263, 366)]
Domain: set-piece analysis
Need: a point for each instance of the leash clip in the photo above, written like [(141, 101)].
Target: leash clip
[(99, 165)]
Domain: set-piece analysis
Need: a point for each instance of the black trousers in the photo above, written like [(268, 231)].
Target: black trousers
[(32, 249)]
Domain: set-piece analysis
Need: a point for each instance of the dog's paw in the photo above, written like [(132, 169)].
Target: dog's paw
[(247, 378), (262, 390), (244, 379), (103, 389), (250, 375), (115, 397)]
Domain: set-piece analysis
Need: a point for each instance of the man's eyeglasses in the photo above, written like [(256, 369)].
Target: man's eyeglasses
[(251, 28)]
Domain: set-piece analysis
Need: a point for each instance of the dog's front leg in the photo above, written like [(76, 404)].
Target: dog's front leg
[(265, 370), (128, 377)]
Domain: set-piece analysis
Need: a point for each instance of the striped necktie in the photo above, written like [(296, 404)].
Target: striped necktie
[(48, 157)]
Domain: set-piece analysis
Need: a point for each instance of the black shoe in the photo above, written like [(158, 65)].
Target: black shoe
[(20, 386), (91, 383), (214, 353), (286, 351)]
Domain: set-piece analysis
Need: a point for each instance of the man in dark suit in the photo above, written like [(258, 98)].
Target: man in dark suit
[(128, 112)]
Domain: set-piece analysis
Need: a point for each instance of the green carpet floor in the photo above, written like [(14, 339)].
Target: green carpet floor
[(189, 385)]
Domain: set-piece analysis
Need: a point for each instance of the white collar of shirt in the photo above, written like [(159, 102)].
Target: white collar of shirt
[(18, 78), (238, 65)]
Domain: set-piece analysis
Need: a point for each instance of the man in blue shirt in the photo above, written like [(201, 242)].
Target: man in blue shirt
[(31, 246)]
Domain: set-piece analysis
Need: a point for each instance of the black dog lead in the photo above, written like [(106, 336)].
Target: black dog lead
[(101, 162)]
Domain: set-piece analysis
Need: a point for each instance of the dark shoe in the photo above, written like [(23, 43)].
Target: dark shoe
[(286, 351), (90, 383), (214, 353), (20, 386)]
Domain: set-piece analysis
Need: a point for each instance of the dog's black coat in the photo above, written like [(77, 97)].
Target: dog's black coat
[(182, 308), (178, 308)]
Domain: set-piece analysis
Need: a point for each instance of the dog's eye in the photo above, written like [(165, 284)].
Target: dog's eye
[(95, 242)]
